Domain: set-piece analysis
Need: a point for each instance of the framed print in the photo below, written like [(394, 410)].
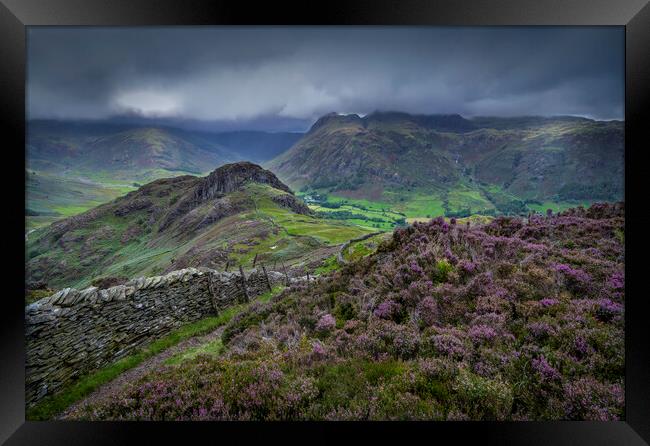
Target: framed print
[(372, 218)]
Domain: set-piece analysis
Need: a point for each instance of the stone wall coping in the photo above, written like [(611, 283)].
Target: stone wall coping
[(68, 297)]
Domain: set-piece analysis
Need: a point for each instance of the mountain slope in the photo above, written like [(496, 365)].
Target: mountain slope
[(494, 159), (256, 146), (514, 320), (238, 211), (126, 152)]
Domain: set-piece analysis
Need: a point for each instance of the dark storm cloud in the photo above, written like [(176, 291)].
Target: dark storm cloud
[(252, 75)]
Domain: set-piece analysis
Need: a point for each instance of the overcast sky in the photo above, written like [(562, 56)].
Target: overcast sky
[(285, 78)]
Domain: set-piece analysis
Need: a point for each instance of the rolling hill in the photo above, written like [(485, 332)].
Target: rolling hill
[(128, 148), (493, 165), (118, 150), (108, 158), (238, 213)]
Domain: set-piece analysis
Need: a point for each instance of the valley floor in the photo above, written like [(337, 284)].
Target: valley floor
[(397, 209)]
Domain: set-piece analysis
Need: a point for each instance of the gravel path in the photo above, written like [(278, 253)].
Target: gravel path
[(113, 387)]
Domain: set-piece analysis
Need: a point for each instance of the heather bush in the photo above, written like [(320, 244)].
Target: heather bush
[(588, 399), (513, 320), (481, 398), (428, 311), (388, 309), (405, 341), (326, 323), (215, 389), (545, 371), (576, 279), (482, 333), (449, 345)]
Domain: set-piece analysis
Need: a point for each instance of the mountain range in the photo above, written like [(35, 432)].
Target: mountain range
[(411, 166), (494, 161), (130, 149), (481, 318)]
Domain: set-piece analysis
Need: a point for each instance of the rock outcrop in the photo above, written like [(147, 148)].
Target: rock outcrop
[(231, 177), (214, 188), (293, 203)]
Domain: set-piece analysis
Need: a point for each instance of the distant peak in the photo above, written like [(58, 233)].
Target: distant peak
[(336, 118), (442, 122), (231, 177), (238, 165)]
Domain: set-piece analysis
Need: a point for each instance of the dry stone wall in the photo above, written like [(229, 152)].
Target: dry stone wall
[(72, 332)]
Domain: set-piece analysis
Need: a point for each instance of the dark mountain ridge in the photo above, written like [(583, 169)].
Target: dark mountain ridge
[(454, 122), (230, 177), (531, 158), (442, 122), (213, 190)]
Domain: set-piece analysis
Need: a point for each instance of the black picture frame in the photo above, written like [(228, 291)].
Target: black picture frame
[(15, 15)]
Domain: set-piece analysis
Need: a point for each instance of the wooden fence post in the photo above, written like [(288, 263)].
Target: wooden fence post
[(213, 294), (243, 283), (286, 276), (268, 282)]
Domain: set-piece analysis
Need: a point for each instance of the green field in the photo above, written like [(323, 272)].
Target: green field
[(399, 207), (558, 206), (372, 215), (396, 208), (53, 196), (420, 205)]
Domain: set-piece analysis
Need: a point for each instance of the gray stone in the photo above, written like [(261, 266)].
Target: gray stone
[(73, 333)]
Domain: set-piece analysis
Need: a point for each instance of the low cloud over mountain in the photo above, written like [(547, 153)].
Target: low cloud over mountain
[(261, 78)]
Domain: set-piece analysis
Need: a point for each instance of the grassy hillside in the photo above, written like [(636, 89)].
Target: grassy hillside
[(511, 320), (236, 214)]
